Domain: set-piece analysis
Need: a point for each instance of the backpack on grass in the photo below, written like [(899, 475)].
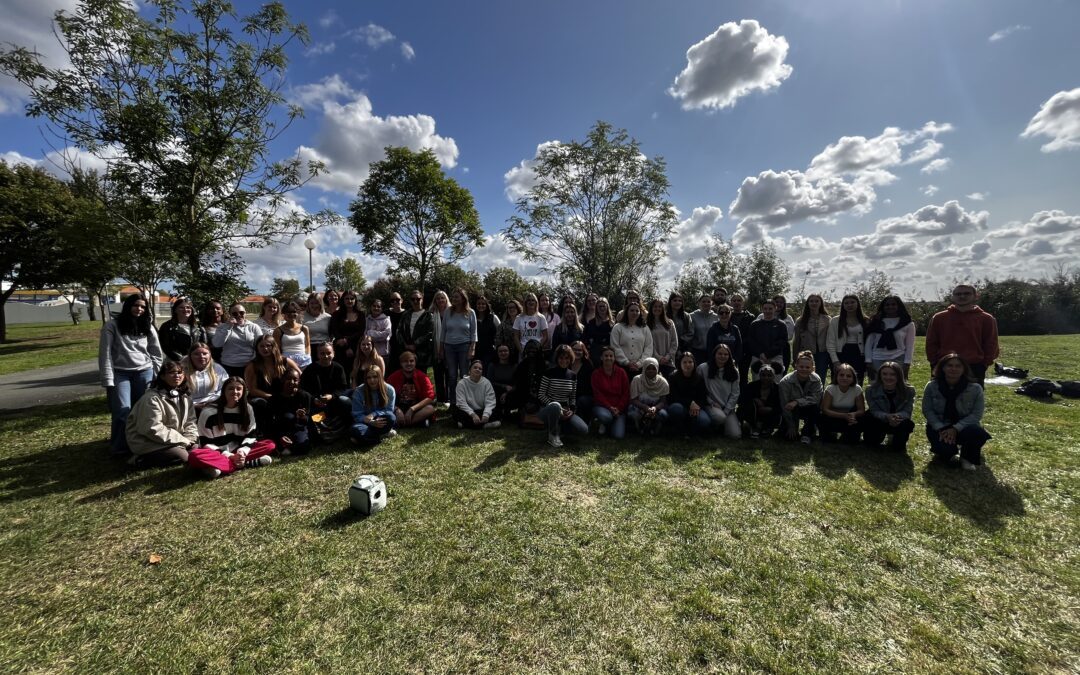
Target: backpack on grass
[(1038, 387), (1069, 388), (1010, 371)]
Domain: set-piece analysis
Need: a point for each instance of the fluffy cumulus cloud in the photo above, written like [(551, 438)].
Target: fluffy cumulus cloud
[(1000, 35), (930, 220), (689, 240), (735, 60), (1043, 223), (978, 196), (841, 179), (60, 162), (497, 253), (351, 136), (520, 179), (936, 165), (373, 35), (1058, 120), (28, 23), (407, 51)]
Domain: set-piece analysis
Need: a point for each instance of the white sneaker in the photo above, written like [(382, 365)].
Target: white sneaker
[(391, 433), (967, 466), (554, 441), (265, 460), (212, 473), (493, 425)]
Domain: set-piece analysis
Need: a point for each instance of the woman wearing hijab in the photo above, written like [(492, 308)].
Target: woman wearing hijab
[(648, 398)]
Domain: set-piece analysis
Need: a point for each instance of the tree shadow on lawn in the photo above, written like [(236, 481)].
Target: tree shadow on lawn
[(532, 443), (150, 482), (975, 495), (68, 468)]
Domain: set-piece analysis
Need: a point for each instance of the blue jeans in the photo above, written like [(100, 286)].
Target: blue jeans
[(616, 425), (551, 414), (369, 434), (638, 416), (822, 364), (128, 387), (677, 413), (456, 359)]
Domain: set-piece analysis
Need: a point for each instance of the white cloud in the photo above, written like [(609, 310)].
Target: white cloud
[(930, 190), (774, 200), (949, 218), (978, 196), (877, 245), (29, 23), (373, 35), (1043, 223), (407, 51), (1006, 32), (936, 165), (351, 137), (520, 179), (1058, 119), (735, 60), (929, 149), (497, 253), (320, 48), (329, 19)]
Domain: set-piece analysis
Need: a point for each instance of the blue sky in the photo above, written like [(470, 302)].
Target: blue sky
[(857, 136)]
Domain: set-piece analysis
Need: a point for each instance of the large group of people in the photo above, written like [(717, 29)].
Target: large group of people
[(221, 392)]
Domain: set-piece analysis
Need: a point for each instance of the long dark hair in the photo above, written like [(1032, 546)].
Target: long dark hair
[(128, 324), (804, 320), (939, 372), (650, 319), (177, 304), (841, 328), (242, 406), (731, 373), (206, 314), (877, 322)]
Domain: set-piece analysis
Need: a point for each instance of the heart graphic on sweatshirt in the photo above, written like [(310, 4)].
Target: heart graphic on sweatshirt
[(531, 323)]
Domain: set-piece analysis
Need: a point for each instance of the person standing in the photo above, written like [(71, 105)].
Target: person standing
[(180, 332), (395, 313), (703, 318), (128, 357), (459, 338), (767, 342), (417, 334), (964, 328), (742, 318), (812, 333), (236, 340), (890, 336)]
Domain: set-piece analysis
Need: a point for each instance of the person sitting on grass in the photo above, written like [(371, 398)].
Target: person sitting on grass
[(558, 396), (648, 398), (688, 398), (759, 404), (722, 384), (326, 381), (263, 377), (204, 376), (373, 410), (474, 400), (800, 399), (415, 393), (227, 434), (611, 395), (842, 407), (500, 372), (953, 404), (366, 357), (890, 400), (161, 427), (291, 411)]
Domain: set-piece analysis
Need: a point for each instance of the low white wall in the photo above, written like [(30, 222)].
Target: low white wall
[(23, 312)]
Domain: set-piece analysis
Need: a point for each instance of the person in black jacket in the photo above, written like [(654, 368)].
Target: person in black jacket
[(688, 399), (759, 404), (291, 412), (742, 318), (177, 335), (326, 381), (725, 330), (767, 342)]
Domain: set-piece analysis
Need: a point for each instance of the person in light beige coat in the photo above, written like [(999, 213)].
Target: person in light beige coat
[(812, 333), (161, 428)]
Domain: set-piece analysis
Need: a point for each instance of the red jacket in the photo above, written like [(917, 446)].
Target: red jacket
[(413, 391), (972, 334), (613, 391)]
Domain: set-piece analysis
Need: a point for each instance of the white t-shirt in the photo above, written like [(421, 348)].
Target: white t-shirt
[(844, 401), (531, 327)]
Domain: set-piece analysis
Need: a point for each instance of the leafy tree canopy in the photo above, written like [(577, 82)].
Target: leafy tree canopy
[(345, 274)]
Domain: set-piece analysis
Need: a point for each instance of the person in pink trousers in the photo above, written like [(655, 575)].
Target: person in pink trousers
[(227, 434)]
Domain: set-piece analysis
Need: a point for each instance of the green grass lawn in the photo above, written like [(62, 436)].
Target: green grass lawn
[(38, 345), (497, 553)]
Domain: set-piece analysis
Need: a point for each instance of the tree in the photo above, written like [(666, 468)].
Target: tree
[(765, 274), (410, 212), (693, 280), (97, 252), (34, 210), (597, 214), (223, 282), (345, 274), (872, 290), (721, 268), (503, 284), (284, 289), (183, 112)]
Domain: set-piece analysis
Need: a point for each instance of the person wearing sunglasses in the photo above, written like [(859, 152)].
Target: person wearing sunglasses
[(236, 340)]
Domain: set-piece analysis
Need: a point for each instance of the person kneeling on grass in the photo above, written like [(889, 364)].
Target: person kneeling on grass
[(415, 393), (953, 404), (558, 396), (291, 411), (227, 434), (611, 395), (161, 426), (474, 400), (842, 407), (890, 400), (722, 384), (648, 398), (800, 399), (373, 409), (688, 398), (759, 404)]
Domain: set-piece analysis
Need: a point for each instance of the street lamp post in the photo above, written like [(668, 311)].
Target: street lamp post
[(309, 244)]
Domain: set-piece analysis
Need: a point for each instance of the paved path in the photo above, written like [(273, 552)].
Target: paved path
[(57, 384)]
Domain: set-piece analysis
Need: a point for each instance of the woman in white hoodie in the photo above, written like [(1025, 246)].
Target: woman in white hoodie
[(474, 400)]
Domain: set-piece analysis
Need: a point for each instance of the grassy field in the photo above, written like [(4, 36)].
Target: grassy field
[(39, 345), (497, 553)]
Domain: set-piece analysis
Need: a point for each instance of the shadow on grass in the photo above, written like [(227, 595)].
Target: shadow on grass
[(151, 482), (342, 519), (57, 470), (883, 469), (975, 495), (532, 443)]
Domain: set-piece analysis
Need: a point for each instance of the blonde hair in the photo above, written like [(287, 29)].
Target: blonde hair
[(363, 364), (189, 369), (384, 395)]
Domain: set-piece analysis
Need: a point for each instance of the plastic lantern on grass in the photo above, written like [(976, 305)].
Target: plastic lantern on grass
[(367, 495)]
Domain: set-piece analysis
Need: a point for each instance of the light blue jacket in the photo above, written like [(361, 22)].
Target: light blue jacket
[(360, 409), (969, 404)]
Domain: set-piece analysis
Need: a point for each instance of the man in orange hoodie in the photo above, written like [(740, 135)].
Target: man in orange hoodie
[(966, 329)]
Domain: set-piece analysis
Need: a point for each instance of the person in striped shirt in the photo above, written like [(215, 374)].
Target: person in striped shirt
[(227, 434), (558, 398)]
